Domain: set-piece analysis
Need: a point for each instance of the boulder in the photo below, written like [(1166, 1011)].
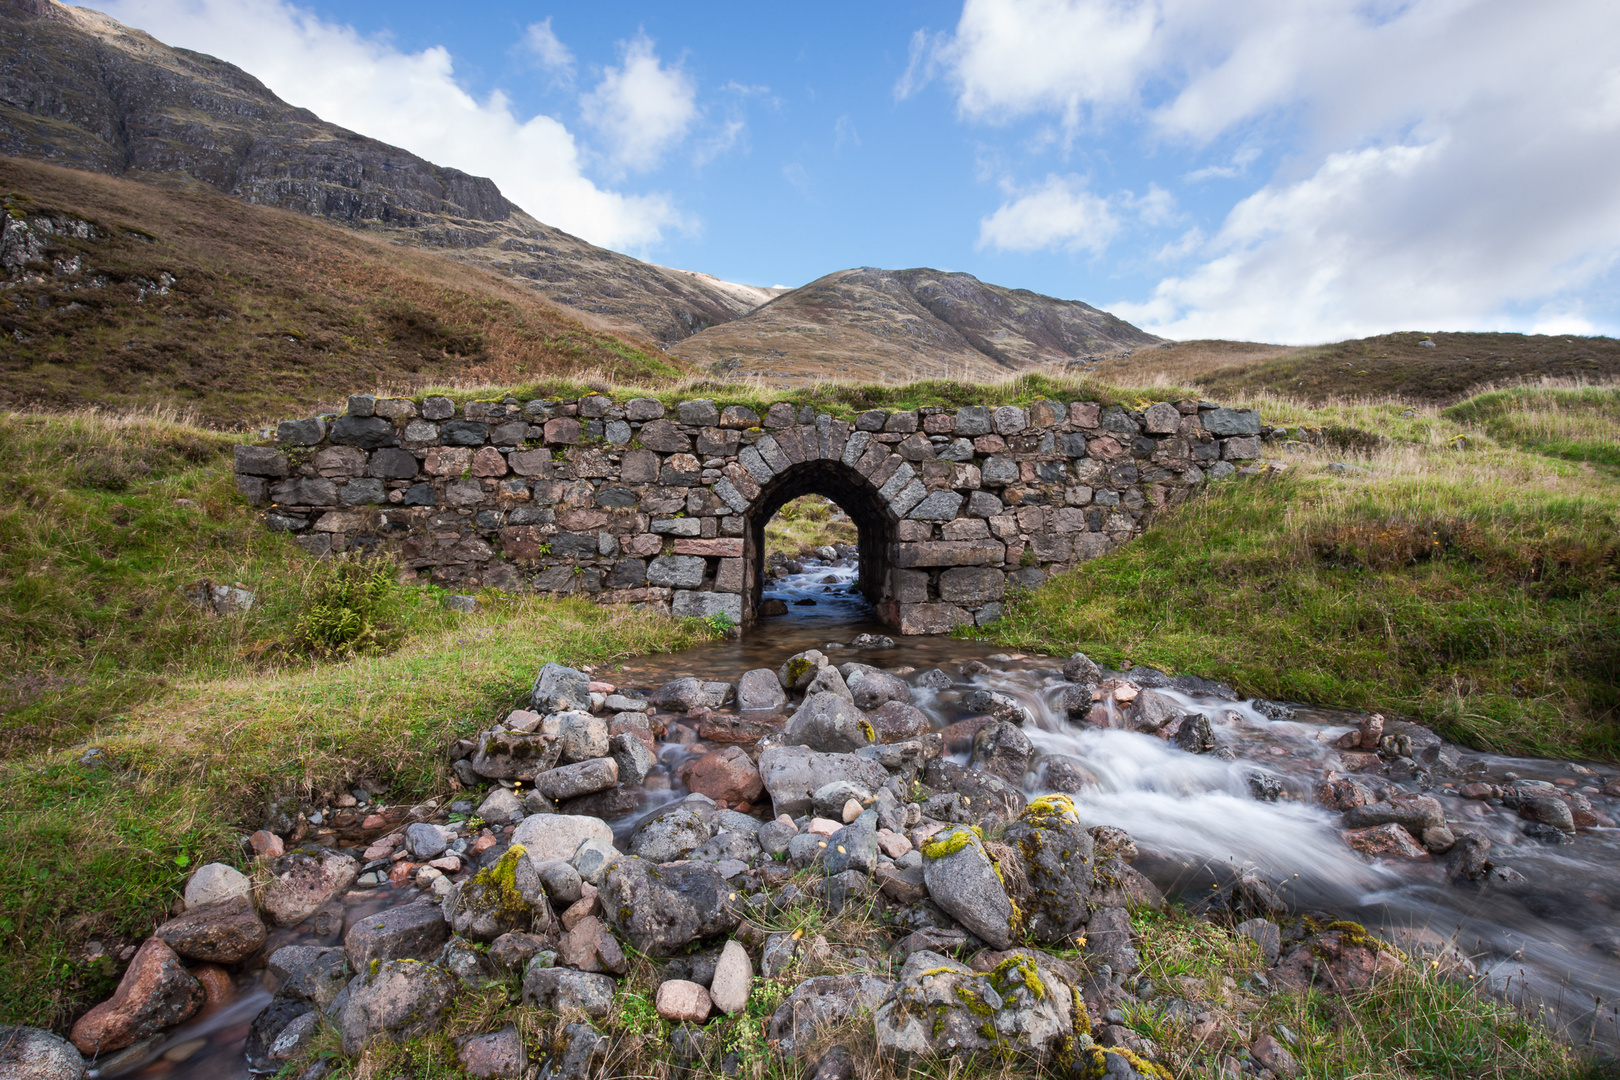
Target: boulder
[(560, 689), (1080, 668), (829, 681), (830, 724), (394, 1000), (823, 1002), (579, 1053), (509, 755), (733, 979), (1108, 941), (1004, 750), (409, 932), (1390, 840), (424, 841), (1151, 711), (582, 736), (871, 688), (799, 669), (494, 1054), (312, 973), (941, 1008), (1194, 734), (581, 778), (963, 881), (760, 693), (1414, 813), (997, 706), (506, 896), (566, 991), (501, 807), (587, 946), (1056, 854), (28, 1053), (155, 993), (896, 721), (278, 1032), (793, 773), (658, 909), (728, 776), (217, 882), (225, 932), (558, 836), (672, 832), (684, 695), (682, 1002), (854, 847), (632, 756)]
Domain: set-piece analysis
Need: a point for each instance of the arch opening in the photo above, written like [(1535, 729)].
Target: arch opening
[(875, 527)]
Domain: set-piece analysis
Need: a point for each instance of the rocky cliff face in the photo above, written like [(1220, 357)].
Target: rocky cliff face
[(80, 89), (906, 324)]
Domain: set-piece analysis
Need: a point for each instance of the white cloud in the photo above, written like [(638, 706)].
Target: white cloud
[(1061, 212), (542, 42), (641, 108), (411, 100), (1444, 163)]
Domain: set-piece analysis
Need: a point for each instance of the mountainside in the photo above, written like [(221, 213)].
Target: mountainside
[(127, 295), (80, 89), (868, 323)]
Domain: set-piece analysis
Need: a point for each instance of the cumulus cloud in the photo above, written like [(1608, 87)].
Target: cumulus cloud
[(411, 100), (642, 107), (1061, 212), (1443, 163)]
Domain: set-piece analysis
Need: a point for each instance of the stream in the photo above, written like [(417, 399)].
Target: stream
[(1550, 943)]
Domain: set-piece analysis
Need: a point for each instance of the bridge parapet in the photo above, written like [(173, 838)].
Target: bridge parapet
[(634, 502)]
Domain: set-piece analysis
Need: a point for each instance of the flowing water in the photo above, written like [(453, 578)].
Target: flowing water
[(1551, 944)]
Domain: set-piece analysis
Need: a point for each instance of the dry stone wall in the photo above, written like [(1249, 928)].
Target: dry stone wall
[(633, 502)]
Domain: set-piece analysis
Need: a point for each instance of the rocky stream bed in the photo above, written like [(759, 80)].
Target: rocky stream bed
[(998, 815)]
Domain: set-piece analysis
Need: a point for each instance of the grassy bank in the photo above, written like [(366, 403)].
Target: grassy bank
[(1455, 567), (200, 718)]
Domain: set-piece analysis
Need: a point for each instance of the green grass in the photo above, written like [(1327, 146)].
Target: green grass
[(1579, 425), (1447, 576), (200, 719), (807, 523)]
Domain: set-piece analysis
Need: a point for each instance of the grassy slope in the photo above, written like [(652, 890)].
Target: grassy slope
[(200, 718), (272, 313), (1457, 577), (1389, 365)]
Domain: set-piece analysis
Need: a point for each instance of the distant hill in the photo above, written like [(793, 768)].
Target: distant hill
[(1436, 368), (123, 294), (876, 324), (80, 89)]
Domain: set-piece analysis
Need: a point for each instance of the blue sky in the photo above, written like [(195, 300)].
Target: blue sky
[(1283, 170)]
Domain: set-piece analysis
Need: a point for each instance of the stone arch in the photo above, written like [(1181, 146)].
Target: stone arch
[(875, 523)]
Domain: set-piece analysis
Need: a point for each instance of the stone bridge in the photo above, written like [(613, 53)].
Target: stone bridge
[(633, 502)]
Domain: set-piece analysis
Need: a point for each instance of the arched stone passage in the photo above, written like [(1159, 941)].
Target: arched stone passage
[(875, 525)]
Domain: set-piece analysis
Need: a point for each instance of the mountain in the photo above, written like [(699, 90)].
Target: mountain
[(907, 324), (80, 89), (129, 295)]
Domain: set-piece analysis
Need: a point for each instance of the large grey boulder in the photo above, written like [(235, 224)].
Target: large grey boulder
[(560, 689), (395, 1000), (997, 706), (581, 778), (28, 1053), (1003, 750), (566, 991), (793, 773), (314, 973), (871, 688), (941, 1008), (963, 881), (631, 755), (1414, 813), (828, 723), (514, 755), (499, 899), (829, 681), (1056, 852), (684, 695), (1226, 422), (657, 909), (823, 1002), (897, 721), (760, 693), (558, 836), (409, 932), (583, 736), (672, 832), (303, 881)]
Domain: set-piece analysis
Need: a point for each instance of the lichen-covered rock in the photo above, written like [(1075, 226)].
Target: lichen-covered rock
[(798, 670), (28, 1053), (394, 1000), (830, 724), (672, 832), (941, 1008), (1108, 940), (515, 755), (657, 909), (225, 932), (408, 932), (499, 899), (896, 721), (558, 836), (1055, 853), (303, 881), (155, 993), (560, 689), (964, 882), (822, 1002), (568, 992)]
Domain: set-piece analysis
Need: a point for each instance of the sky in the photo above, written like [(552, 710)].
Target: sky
[(1291, 171)]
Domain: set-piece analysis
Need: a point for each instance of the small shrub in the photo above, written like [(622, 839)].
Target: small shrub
[(357, 607)]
